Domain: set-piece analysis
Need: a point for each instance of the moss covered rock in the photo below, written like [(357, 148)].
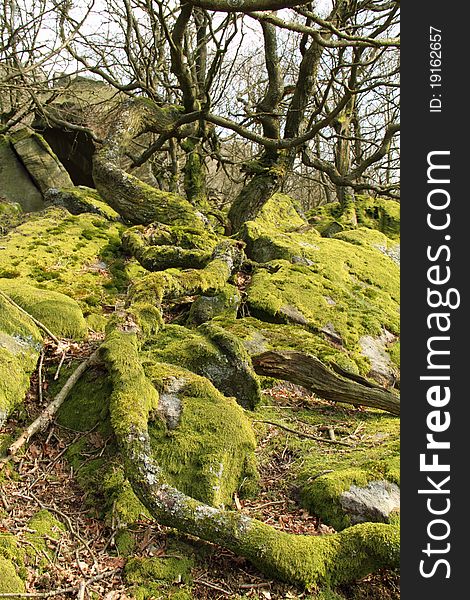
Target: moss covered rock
[(20, 344), (15, 183), (212, 352), (77, 255), (203, 441), (225, 303), (43, 166), (59, 313), (373, 213), (342, 290), (80, 199)]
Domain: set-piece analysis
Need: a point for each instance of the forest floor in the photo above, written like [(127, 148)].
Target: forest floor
[(83, 561)]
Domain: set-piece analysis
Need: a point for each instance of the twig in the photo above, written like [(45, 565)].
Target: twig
[(56, 376), (306, 435), (213, 586), (41, 362), (5, 503), (48, 414), (33, 319), (81, 590)]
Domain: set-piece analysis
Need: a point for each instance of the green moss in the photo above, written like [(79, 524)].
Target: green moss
[(44, 525), (125, 542), (10, 582), (211, 352), (152, 577), (59, 313), (120, 351), (345, 296), (11, 550), (373, 213), (167, 247), (10, 214), (20, 343), (322, 498), (123, 505), (173, 283), (329, 559), (225, 303), (169, 570), (335, 288), (210, 451), (87, 404), (260, 336), (320, 471), (47, 253)]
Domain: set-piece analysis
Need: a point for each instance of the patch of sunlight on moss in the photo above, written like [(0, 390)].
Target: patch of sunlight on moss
[(59, 313), (10, 581), (77, 255)]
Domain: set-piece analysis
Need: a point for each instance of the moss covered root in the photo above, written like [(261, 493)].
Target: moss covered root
[(303, 560)]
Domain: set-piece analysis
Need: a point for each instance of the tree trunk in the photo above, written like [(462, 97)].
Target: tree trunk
[(137, 202), (254, 195)]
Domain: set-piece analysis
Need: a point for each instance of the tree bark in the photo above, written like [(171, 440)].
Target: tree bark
[(137, 202), (309, 372)]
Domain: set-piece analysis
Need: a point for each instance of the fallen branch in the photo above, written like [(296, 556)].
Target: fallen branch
[(309, 372), (48, 414), (317, 438), (33, 319)]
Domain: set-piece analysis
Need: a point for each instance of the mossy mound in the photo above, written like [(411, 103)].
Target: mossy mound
[(211, 352), (350, 292), (372, 238), (226, 303), (20, 343), (158, 246), (10, 582), (77, 255), (373, 213), (281, 214), (80, 199), (203, 441), (59, 313), (154, 577)]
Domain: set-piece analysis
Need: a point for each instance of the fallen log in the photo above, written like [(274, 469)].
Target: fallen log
[(309, 372)]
